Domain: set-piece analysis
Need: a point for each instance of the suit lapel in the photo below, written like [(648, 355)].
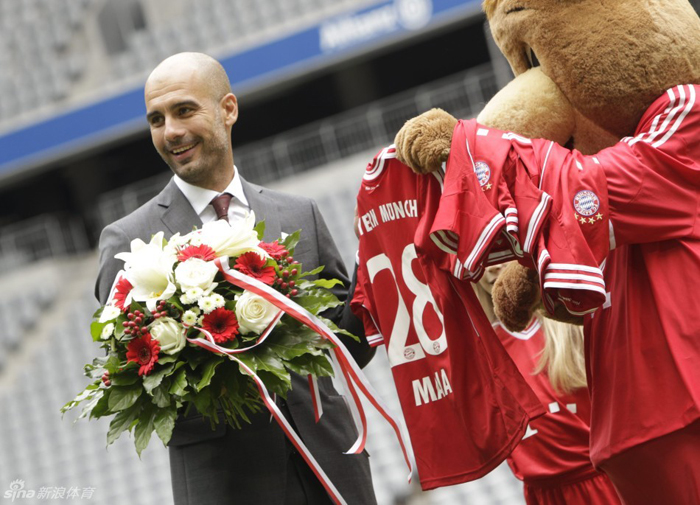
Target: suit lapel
[(177, 214), (264, 207)]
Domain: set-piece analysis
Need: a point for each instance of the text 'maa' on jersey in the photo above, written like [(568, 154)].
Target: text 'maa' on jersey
[(559, 237), (555, 447), (643, 345), (465, 403)]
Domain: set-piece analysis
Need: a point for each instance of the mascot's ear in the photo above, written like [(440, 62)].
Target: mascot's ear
[(423, 143), (533, 106)]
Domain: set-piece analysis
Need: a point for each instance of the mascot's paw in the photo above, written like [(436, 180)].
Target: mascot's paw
[(562, 315), (423, 143), (516, 296)]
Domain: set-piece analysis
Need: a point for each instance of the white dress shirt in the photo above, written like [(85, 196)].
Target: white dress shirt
[(200, 199)]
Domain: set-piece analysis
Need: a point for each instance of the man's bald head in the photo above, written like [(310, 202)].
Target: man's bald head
[(202, 66)]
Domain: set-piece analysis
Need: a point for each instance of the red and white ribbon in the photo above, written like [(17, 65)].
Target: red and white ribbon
[(269, 401), (351, 376)]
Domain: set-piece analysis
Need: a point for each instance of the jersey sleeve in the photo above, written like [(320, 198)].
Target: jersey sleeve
[(575, 241), (653, 178), (362, 307), (466, 223)]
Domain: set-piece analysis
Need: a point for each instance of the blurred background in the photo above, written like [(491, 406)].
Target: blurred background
[(322, 86)]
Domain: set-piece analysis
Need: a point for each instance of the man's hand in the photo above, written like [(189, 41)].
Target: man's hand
[(423, 143)]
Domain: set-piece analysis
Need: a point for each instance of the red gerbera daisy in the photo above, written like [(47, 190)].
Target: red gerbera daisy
[(222, 324), (252, 264), (143, 351), (274, 249), (121, 291), (201, 252)]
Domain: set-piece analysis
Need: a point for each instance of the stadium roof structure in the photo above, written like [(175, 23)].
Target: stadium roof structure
[(112, 118)]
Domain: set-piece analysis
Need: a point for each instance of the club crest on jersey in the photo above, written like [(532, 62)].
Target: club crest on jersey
[(483, 173), (586, 203), (409, 353)]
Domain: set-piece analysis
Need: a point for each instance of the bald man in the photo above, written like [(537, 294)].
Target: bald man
[(191, 111)]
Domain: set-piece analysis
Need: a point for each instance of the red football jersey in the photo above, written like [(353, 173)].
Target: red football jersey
[(465, 403), (643, 351), (555, 447), (639, 200), (569, 254)]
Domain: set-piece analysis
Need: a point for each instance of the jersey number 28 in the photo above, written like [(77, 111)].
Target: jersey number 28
[(398, 351)]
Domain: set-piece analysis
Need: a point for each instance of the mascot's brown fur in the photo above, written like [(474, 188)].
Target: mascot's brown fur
[(602, 64)]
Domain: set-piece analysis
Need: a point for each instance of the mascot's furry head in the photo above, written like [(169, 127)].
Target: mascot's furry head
[(586, 70)]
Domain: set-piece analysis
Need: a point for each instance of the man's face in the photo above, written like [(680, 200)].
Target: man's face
[(190, 129)]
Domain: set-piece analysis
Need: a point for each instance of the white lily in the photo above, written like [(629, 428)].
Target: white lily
[(149, 268), (228, 240)]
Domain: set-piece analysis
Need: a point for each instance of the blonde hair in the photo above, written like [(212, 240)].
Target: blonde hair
[(562, 355)]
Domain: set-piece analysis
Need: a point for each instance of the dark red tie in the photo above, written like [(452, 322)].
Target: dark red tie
[(220, 204)]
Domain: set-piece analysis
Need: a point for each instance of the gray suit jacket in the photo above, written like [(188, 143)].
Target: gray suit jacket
[(229, 466)]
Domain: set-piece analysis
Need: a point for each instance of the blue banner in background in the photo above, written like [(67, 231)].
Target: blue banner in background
[(332, 39)]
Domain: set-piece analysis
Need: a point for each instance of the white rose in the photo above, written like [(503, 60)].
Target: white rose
[(254, 313), (150, 270), (195, 273), (109, 313), (107, 331), (232, 240), (169, 333)]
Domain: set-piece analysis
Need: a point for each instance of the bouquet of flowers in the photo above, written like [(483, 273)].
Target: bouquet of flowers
[(178, 332)]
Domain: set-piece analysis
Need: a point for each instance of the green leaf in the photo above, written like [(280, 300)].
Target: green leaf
[(125, 378), (260, 229), (327, 283), (96, 328), (113, 364), (291, 240), (165, 422), (123, 397), (274, 384), (316, 301), (208, 372), (121, 422), (91, 393), (203, 401), (334, 328), (315, 271), (167, 358), (144, 428), (160, 394), (100, 408), (288, 346), (152, 381), (179, 384), (263, 359), (195, 359), (320, 366)]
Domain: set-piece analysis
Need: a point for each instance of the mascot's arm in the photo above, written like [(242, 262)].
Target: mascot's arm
[(530, 105)]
